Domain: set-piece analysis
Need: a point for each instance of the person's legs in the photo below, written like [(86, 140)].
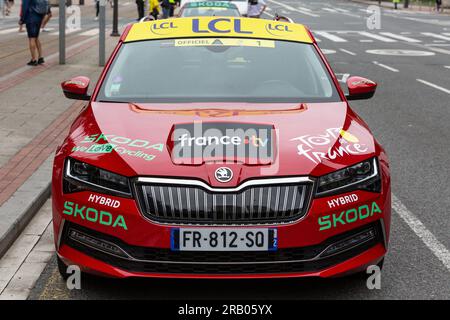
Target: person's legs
[(166, 12), (32, 46), (141, 9), (39, 48), (33, 42), (46, 19)]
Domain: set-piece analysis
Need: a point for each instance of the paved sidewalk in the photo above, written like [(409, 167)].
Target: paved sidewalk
[(34, 118)]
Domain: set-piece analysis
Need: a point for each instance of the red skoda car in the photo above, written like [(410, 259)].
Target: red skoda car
[(220, 148)]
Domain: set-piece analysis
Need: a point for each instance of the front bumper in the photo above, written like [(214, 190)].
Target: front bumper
[(157, 262), (147, 244)]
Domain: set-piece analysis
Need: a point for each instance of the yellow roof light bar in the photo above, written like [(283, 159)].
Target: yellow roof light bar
[(218, 27)]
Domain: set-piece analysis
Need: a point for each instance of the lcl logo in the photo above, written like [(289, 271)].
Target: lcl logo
[(277, 29), (220, 25), (162, 28)]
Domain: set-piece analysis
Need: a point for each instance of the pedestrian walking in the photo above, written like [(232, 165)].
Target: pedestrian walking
[(140, 9), (175, 4), (7, 7), (256, 8), (32, 13), (97, 9), (439, 6), (165, 5), (396, 2), (46, 19)]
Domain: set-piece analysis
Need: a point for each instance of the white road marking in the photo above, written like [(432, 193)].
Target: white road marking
[(401, 52), (376, 36), (288, 7), (341, 10), (330, 36), (437, 36), (428, 238), (434, 86), (365, 40), (398, 37), (448, 67), (11, 30), (91, 32), (269, 14), (342, 77), (348, 52), (329, 10), (55, 33), (305, 9), (327, 51), (385, 66)]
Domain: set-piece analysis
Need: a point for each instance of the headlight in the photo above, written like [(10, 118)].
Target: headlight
[(362, 176), (81, 176)]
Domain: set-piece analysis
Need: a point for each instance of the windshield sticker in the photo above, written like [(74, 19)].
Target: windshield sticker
[(137, 148), (348, 144), (194, 143), (348, 216), (230, 42), (218, 27)]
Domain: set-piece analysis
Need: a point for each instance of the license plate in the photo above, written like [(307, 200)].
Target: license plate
[(224, 239)]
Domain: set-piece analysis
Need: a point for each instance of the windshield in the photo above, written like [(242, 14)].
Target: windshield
[(211, 11), (217, 70)]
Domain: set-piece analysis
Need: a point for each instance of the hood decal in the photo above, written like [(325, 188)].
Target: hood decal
[(198, 142), (331, 144)]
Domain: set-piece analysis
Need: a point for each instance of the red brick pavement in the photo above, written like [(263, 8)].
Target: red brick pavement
[(21, 166)]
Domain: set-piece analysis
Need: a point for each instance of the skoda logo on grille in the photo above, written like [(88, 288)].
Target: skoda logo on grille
[(224, 174)]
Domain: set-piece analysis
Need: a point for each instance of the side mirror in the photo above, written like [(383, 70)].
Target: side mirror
[(360, 88), (76, 88)]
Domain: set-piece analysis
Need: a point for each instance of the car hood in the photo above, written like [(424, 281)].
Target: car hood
[(136, 139)]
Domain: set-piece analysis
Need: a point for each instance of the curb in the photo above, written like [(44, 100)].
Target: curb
[(21, 207)]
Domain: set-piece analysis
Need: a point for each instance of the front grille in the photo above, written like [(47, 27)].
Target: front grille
[(193, 204), (161, 260)]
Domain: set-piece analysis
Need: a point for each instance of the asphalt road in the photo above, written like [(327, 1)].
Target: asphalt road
[(409, 115)]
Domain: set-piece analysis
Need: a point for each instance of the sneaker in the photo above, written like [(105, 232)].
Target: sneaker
[(96, 18), (45, 30), (32, 63), (41, 60)]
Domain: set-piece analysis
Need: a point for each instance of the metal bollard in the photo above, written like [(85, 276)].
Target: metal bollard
[(62, 32), (101, 37)]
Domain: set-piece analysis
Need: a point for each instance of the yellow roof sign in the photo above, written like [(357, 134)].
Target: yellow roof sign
[(218, 27)]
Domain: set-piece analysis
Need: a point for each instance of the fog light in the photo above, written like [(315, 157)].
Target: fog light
[(98, 244), (349, 242)]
